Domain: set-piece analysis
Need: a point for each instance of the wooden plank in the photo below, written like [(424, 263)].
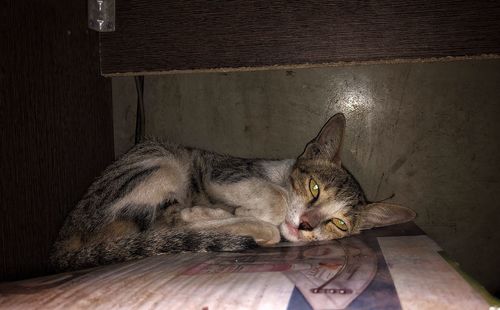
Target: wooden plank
[(423, 279), (154, 36), (56, 127)]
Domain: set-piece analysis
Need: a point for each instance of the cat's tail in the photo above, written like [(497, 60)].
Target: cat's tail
[(143, 244)]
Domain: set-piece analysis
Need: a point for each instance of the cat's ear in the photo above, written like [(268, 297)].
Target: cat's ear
[(328, 142), (384, 214)]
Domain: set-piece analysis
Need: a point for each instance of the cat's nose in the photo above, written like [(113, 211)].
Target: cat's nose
[(304, 225)]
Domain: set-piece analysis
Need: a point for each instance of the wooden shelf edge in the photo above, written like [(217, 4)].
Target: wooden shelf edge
[(309, 65)]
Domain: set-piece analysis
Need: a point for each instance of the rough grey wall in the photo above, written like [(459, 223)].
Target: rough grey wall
[(430, 133)]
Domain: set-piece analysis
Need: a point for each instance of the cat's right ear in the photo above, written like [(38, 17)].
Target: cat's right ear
[(328, 142)]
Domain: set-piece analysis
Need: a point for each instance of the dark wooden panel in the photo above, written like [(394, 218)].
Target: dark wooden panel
[(56, 126), (157, 35)]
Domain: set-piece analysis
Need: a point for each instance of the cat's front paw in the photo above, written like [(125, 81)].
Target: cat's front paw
[(267, 235), (197, 213)]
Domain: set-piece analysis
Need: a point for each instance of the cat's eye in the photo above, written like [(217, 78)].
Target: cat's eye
[(314, 188), (340, 224)]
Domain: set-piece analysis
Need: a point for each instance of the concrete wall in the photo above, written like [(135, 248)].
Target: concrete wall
[(430, 133)]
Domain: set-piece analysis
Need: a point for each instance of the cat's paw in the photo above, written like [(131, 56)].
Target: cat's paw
[(267, 235), (197, 214)]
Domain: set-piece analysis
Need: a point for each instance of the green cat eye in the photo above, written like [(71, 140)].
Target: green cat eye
[(339, 224), (314, 188)]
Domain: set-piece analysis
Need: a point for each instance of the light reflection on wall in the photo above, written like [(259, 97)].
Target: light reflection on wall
[(354, 97), (355, 100)]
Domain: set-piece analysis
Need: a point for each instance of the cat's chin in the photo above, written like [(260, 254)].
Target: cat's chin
[(289, 232)]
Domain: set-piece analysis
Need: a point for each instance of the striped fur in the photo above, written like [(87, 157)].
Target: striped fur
[(148, 243), (147, 189)]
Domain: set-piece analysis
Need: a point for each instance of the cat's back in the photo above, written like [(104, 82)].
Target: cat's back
[(139, 180)]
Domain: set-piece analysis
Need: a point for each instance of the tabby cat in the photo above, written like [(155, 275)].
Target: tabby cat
[(165, 198)]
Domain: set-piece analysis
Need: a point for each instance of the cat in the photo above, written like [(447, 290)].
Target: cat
[(166, 198)]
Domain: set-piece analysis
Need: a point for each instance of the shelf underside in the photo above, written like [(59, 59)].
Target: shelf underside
[(157, 36)]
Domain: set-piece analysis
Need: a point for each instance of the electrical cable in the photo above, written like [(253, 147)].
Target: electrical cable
[(140, 121)]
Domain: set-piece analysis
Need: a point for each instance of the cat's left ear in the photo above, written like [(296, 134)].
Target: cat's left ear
[(328, 142), (384, 214)]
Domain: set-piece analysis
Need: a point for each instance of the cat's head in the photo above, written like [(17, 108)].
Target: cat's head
[(326, 202)]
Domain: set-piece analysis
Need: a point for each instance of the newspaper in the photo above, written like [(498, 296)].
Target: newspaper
[(330, 275)]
